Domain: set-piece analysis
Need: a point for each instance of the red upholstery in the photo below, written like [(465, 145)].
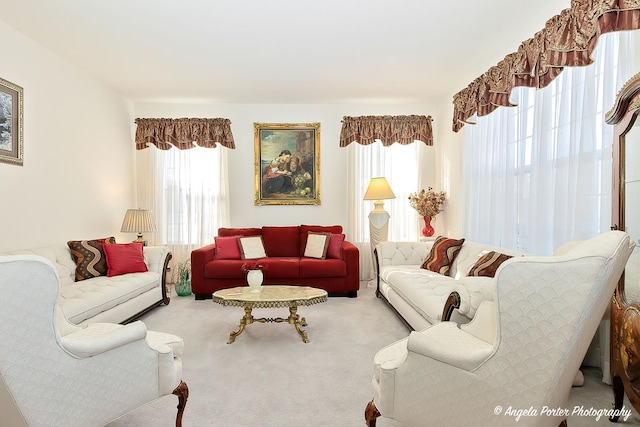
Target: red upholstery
[(284, 246), (281, 241), (305, 229)]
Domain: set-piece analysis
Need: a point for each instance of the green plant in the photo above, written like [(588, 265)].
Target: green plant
[(181, 272)]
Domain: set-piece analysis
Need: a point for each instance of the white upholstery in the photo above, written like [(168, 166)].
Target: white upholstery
[(83, 376), (104, 299), (419, 295), (547, 311)]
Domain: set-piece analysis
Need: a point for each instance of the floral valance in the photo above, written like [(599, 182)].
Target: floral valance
[(183, 133), (567, 40), (388, 129)]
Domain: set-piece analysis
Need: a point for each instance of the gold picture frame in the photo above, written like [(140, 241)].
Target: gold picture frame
[(11, 123), (287, 163)]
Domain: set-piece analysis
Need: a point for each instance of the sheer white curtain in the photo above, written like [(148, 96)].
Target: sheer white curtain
[(539, 174), (399, 165), (188, 192)]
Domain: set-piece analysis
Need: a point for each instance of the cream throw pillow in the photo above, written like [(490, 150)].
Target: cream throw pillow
[(317, 244), (251, 247)]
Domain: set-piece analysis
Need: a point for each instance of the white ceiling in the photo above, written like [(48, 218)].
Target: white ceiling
[(282, 51)]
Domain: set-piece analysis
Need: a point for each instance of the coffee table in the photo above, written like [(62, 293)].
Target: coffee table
[(271, 296)]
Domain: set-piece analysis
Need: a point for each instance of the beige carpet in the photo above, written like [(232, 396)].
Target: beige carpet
[(270, 378)]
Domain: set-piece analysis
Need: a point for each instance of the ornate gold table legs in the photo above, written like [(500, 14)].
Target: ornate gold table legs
[(293, 319)]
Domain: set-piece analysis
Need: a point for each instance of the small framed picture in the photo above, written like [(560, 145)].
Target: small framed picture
[(287, 163), (11, 126)]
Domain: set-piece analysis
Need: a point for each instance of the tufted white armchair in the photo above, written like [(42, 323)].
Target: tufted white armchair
[(520, 351), (53, 373)]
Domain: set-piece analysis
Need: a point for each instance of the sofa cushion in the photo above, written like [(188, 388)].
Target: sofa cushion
[(424, 290), (224, 269), (251, 247), (442, 254), (89, 257), (311, 267), (317, 244), (281, 241), (227, 248), (335, 246), (305, 229), (282, 268), (226, 232), (89, 298), (124, 258), (488, 263)]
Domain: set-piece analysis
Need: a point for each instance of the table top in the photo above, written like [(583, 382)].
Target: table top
[(270, 296)]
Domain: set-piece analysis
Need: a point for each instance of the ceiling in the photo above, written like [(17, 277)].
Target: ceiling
[(281, 51)]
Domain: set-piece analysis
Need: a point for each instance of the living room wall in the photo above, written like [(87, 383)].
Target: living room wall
[(78, 173), (333, 159)]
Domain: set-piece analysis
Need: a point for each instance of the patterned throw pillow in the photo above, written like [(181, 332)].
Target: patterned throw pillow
[(488, 263), (89, 257), (442, 254)]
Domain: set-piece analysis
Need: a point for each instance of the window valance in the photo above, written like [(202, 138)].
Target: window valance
[(388, 129), (567, 40), (182, 133)]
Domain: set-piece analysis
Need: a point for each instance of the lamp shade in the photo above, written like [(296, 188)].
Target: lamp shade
[(137, 221), (379, 189)]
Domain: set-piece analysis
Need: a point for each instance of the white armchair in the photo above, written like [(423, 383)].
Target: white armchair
[(54, 373), (547, 310)]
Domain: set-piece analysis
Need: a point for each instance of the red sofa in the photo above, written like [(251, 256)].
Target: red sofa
[(285, 247)]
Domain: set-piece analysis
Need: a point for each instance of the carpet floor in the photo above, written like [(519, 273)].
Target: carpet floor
[(270, 378)]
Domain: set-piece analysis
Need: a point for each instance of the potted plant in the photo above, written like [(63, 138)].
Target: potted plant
[(182, 278)]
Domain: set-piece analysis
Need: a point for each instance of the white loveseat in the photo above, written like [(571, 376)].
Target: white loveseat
[(419, 295), (117, 299)]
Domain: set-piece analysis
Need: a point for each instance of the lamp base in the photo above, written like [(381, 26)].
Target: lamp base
[(140, 239), (378, 206)]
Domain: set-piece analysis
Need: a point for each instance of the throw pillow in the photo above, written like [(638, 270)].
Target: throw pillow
[(227, 248), (442, 254), (124, 258), (335, 246), (89, 257), (488, 263), (251, 247), (317, 244)]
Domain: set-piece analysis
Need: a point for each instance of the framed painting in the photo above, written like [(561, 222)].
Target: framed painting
[(11, 127), (287, 163)]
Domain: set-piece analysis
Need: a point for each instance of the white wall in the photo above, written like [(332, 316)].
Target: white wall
[(78, 174), (333, 159)]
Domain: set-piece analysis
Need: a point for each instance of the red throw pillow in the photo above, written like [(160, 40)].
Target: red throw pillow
[(124, 258), (227, 247), (335, 246)]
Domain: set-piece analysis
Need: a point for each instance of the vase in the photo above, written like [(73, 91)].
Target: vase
[(428, 230), (254, 280), (183, 287)]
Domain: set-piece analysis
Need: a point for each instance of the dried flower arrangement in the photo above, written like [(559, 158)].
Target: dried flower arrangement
[(428, 203)]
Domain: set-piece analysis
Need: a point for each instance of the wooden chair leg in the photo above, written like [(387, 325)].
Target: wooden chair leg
[(182, 391), (370, 414)]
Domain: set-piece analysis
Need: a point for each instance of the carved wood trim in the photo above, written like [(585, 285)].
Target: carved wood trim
[(452, 303), (371, 413), (182, 391)]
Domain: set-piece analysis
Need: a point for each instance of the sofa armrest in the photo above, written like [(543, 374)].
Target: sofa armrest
[(447, 343), (199, 258), (98, 338), (157, 259), (472, 291), (352, 259)]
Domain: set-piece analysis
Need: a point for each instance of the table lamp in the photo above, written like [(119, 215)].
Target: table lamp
[(138, 221)]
